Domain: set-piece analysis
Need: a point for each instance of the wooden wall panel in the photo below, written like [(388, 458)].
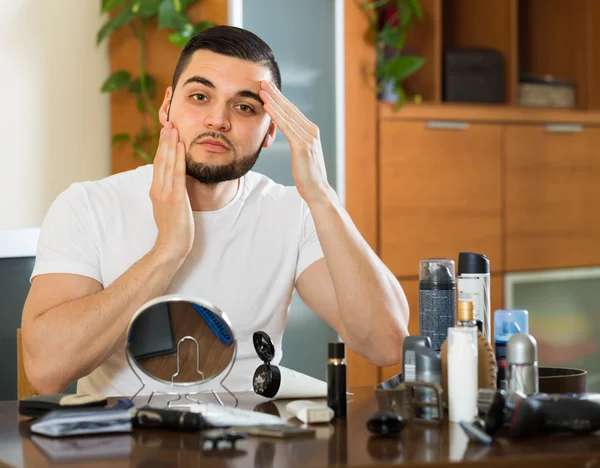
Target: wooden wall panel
[(593, 53), (552, 39), (425, 39), (361, 148), (161, 58), (486, 23)]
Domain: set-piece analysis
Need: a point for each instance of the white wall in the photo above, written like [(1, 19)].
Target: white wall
[(54, 122)]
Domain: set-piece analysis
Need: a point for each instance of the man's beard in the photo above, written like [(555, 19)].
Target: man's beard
[(213, 174)]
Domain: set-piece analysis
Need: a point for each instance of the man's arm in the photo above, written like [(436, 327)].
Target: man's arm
[(350, 288), (70, 324)]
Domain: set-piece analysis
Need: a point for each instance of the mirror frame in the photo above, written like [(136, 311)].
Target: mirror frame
[(179, 298)]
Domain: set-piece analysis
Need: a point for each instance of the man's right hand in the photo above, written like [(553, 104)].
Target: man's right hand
[(170, 200)]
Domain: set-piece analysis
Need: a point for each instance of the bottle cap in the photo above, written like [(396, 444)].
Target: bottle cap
[(466, 311), (472, 263), (428, 364), (437, 271), (263, 345), (521, 349), (510, 322), (336, 350)]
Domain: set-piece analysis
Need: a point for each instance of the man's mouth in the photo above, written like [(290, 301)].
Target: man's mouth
[(216, 146)]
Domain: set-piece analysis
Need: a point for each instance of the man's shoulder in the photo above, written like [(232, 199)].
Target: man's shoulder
[(108, 194), (120, 184), (123, 182)]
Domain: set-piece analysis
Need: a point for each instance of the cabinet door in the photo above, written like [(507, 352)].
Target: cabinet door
[(411, 289), (440, 192), (552, 193)]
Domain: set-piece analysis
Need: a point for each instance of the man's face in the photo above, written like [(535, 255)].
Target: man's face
[(216, 109)]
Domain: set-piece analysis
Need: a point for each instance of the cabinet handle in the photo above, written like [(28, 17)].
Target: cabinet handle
[(447, 125), (564, 128)]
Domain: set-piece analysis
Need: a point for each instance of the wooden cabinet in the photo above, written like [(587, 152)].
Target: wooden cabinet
[(411, 289), (440, 192), (552, 193)]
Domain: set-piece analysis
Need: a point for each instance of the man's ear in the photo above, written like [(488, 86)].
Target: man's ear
[(270, 135), (163, 111)]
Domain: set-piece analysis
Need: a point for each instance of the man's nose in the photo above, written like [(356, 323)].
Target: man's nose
[(218, 118)]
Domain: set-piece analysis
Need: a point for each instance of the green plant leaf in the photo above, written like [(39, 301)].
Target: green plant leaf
[(120, 137), (416, 7), (123, 18), (402, 67), (180, 38), (405, 12), (138, 152), (186, 3), (373, 4), (141, 136), (169, 17), (393, 37), (145, 8), (140, 104), (138, 149), (118, 80), (136, 85), (108, 5), (401, 95)]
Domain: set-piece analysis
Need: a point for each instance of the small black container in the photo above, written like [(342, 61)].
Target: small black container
[(267, 377), (336, 379)]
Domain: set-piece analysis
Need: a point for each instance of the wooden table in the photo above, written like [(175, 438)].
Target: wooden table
[(339, 444)]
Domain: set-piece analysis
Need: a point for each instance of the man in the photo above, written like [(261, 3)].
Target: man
[(199, 222)]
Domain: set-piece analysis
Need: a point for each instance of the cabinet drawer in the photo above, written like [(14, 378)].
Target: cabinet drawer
[(552, 193), (440, 192)]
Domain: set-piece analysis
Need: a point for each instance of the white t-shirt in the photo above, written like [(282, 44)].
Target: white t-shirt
[(245, 259)]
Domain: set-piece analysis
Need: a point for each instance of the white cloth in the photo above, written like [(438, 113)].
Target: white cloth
[(245, 259)]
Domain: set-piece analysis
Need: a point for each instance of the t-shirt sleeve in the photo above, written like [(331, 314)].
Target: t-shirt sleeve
[(310, 248), (68, 242)]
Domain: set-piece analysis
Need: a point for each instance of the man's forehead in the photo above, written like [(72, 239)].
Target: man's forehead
[(225, 71)]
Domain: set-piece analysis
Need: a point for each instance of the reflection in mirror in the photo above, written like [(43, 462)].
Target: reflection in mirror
[(180, 342)]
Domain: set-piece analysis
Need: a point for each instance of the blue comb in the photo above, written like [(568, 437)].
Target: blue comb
[(215, 324)]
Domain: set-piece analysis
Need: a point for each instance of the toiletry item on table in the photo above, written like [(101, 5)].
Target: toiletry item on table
[(217, 415), (114, 419), (506, 324), (310, 412), (336, 379), (437, 299), (462, 373), (429, 369), (273, 381), (521, 364), (409, 363), (39, 405), (473, 284), (487, 368), (539, 414)]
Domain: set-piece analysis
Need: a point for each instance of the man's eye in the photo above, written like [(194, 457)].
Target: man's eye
[(244, 108), (199, 97)]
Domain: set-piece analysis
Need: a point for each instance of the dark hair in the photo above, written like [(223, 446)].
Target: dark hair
[(232, 42)]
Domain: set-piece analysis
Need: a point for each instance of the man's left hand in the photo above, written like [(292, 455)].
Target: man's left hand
[(308, 165)]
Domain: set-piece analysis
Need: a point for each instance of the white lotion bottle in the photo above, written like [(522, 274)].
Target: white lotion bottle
[(462, 374)]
